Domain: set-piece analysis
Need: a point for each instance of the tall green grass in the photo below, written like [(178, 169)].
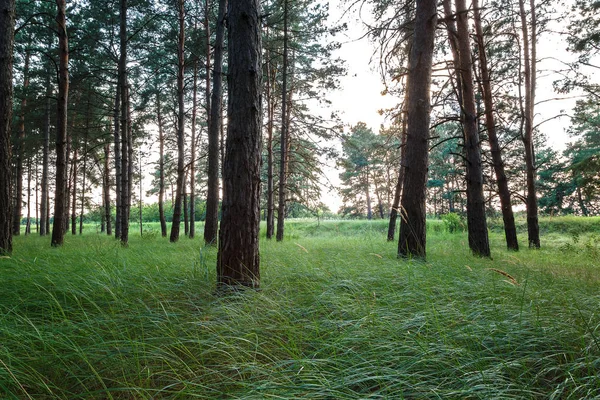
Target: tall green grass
[(337, 316)]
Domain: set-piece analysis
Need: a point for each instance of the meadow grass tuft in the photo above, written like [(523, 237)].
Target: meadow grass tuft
[(338, 316)]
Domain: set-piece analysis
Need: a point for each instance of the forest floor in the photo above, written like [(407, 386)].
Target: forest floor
[(338, 316)]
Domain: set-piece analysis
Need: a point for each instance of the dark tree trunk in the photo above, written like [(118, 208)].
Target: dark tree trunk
[(238, 256), (7, 25), (533, 229), (214, 129), (476, 220), (192, 209), (60, 211), (28, 218), (283, 142), (412, 240), (124, 194), (510, 230), (106, 190), (175, 225), (270, 121), (20, 153), (44, 209), (117, 153), (186, 216), (83, 175), (161, 170), (73, 192)]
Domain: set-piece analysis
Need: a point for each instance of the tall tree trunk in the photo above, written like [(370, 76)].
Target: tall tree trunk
[(58, 229), (180, 126), (141, 201), (192, 219), (186, 216), (238, 259), (214, 129), (283, 142), (117, 152), (510, 230), (476, 219), (368, 196), (533, 229), (106, 189), (28, 218), (83, 178), (37, 197), (7, 26), (270, 122), (20, 152), (69, 183), (412, 240), (74, 165), (398, 188), (161, 169), (44, 209), (125, 194)]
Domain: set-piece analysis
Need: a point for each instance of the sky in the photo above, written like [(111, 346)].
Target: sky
[(359, 97)]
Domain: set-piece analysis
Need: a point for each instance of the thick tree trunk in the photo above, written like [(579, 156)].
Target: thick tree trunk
[(125, 194), (161, 169), (283, 142), (412, 240), (20, 152), (106, 190), (238, 256), (533, 229), (60, 211), (476, 219), (214, 129), (510, 230), (7, 25), (175, 224)]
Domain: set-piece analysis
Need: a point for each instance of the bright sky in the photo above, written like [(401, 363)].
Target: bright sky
[(359, 97)]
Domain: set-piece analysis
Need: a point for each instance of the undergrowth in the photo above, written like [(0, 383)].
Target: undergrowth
[(338, 316)]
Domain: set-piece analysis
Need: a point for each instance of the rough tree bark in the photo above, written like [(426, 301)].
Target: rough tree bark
[(44, 209), (238, 255), (117, 153), (270, 75), (214, 129), (398, 188), (7, 26), (476, 219), (510, 231), (60, 212), (175, 224), (125, 194), (412, 238), (106, 189)]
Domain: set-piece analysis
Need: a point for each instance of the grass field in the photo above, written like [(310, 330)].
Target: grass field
[(338, 316)]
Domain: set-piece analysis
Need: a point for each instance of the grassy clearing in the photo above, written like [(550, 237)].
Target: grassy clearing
[(338, 317)]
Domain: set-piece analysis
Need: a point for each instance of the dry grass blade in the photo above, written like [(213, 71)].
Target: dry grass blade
[(506, 274)]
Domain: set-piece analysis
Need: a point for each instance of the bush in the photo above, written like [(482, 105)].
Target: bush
[(454, 222)]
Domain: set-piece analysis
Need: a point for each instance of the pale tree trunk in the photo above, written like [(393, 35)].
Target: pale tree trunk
[(175, 225), (238, 255), (398, 188), (214, 129), (161, 169), (510, 230), (83, 175), (20, 153), (58, 228), (283, 142), (7, 26), (192, 219), (533, 229), (412, 240), (476, 219)]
